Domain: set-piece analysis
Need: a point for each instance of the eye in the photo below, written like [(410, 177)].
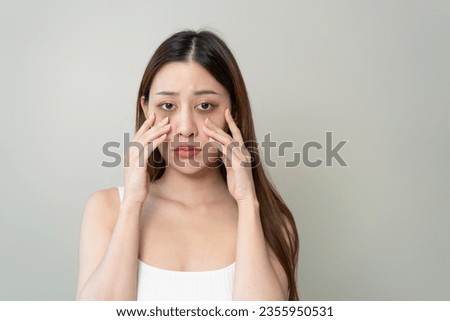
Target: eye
[(205, 106), (167, 106)]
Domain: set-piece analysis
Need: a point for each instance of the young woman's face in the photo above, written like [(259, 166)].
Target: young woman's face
[(187, 93)]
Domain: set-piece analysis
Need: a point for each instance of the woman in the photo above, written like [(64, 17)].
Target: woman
[(198, 220)]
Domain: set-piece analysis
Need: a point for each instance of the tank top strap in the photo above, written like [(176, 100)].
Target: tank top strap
[(121, 190)]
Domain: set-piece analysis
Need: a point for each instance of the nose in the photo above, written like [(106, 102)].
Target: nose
[(185, 122)]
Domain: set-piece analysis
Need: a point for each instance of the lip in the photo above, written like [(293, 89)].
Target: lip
[(187, 151)]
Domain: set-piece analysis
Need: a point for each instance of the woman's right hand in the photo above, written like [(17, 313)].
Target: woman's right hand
[(145, 141)]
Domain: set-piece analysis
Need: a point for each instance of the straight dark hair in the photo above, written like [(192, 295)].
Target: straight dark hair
[(208, 50)]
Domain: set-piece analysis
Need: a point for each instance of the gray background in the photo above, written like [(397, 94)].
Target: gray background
[(375, 73)]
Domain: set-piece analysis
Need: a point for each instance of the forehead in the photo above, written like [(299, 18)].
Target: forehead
[(184, 77)]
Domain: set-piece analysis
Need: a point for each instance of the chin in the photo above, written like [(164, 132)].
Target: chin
[(190, 166)]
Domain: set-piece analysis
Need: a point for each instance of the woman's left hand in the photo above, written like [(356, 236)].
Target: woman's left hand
[(235, 157)]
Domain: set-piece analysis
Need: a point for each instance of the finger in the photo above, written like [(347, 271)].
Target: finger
[(231, 152), (161, 123), (225, 159), (151, 126), (154, 133), (236, 133), (149, 148), (215, 144), (230, 144), (156, 126), (211, 125), (146, 125), (215, 134), (219, 135), (152, 139), (233, 127)]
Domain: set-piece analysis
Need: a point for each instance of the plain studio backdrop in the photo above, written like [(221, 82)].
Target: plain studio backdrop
[(375, 74)]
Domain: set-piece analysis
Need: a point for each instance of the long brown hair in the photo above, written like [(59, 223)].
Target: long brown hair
[(212, 53)]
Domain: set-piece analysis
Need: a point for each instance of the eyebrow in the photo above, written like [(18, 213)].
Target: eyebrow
[(197, 93)]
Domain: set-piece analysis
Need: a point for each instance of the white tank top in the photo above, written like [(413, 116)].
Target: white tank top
[(160, 284)]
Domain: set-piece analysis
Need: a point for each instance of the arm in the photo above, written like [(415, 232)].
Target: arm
[(109, 242), (258, 274), (109, 246)]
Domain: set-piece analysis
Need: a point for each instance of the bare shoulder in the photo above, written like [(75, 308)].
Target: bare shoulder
[(102, 208)]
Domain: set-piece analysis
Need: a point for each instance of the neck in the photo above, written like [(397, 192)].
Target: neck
[(204, 187)]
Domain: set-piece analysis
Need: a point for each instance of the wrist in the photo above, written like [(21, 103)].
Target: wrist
[(131, 205), (249, 203)]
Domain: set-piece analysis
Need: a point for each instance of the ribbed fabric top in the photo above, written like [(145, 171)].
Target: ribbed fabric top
[(160, 284)]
